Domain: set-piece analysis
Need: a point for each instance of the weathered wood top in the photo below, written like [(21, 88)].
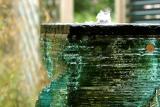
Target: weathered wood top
[(99, 29)]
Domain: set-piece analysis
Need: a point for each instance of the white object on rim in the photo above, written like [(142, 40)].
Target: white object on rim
[(104, 17)]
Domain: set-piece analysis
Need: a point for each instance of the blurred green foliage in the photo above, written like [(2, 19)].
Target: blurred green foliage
[(87, 10), (11, 94)]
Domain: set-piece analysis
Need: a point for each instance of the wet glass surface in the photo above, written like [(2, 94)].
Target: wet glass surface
[(100, 70)]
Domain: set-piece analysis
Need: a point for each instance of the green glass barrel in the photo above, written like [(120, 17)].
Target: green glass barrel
[(101, 65)]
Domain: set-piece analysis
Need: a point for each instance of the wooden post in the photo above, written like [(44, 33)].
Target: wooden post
[(120, 7), (66, 11)]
